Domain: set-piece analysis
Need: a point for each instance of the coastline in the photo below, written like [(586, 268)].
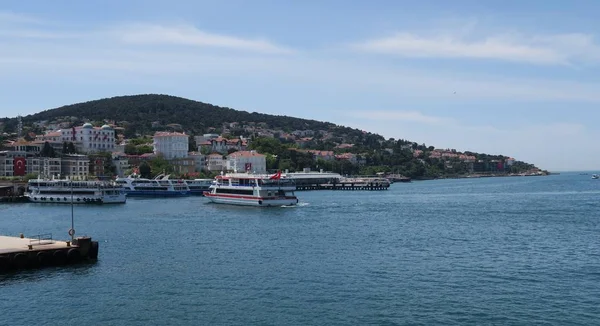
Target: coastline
[(477, 176)]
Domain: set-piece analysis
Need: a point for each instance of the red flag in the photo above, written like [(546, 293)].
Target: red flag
[(276, 176), (19, 166)]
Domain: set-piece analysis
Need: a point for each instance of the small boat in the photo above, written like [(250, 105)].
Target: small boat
[(160, 186), (250, 189), (79, 192), (198, 186), (595, 176)]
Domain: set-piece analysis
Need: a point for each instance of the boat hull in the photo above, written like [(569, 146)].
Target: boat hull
[(198, 192), (251, 201), (77, 199)]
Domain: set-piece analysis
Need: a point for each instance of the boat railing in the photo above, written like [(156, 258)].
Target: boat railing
[(37, 239)]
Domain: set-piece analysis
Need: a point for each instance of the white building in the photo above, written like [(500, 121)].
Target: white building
[(75, 165), (50, 166), (171, 144), (199, 160), (121, 163), (215, 162), (86, 138), (249, 161)]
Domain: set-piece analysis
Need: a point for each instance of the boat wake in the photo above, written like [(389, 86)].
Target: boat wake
[(297, 205)]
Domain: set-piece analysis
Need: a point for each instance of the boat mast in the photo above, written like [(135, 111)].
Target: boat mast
[(72, 230)]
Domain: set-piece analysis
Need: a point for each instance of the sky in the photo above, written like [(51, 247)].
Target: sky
[(518, 78)]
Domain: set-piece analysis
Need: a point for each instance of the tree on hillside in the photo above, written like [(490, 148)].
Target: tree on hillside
[(160, 165), (69, 148), (145, 170), (47, 150)]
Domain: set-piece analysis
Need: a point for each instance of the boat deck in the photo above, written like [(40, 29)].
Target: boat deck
[(15, 244)]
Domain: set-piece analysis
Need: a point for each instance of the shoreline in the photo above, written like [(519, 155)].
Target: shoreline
[(478, 176)]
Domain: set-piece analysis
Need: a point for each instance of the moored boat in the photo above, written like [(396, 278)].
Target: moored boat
[(249, 189), (160, 186), (78, 192), (199, 186)]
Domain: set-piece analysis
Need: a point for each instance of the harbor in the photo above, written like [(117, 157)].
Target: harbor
[(183, 253)]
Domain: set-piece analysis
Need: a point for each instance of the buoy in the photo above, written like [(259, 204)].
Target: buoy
[(73, 255), (4, 263), (59, 257), (93, 252), (43, 258), (20, 260)]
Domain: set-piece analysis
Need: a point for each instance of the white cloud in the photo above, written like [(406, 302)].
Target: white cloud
[(189, 35), (559, 49), (404, 116), (9, 17)]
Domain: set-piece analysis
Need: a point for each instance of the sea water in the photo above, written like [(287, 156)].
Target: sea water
[(509, 251)]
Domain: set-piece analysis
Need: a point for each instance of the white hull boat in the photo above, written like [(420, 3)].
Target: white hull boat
[(248, 189)]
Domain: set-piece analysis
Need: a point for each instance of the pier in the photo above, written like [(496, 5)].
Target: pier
[(12, 191), (17, 253), (308, 180)]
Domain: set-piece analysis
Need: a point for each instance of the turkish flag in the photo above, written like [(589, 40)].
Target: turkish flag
[(276, 176), (19, 166)]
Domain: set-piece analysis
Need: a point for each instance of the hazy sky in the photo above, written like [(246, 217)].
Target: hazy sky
[(519, 78)]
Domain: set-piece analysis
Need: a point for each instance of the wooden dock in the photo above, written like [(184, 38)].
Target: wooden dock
[(18, 253)]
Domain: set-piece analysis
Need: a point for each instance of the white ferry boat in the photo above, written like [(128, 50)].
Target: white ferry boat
[(199, 186), (252, 190), (79, 192), (160, 186)]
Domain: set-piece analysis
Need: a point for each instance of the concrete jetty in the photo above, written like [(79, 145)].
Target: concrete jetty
[(18, 253)]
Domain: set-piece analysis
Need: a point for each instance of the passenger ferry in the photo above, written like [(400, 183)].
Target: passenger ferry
[(78, 192), (199, 186), (160, 186), (252, 190)]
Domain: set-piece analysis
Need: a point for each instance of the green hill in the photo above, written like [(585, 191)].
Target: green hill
[(141, 111), (145, 114)]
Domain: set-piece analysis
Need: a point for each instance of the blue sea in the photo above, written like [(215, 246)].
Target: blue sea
[(493, 251)]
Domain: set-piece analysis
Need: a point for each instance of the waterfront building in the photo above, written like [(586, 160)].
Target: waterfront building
[(171, 145)]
